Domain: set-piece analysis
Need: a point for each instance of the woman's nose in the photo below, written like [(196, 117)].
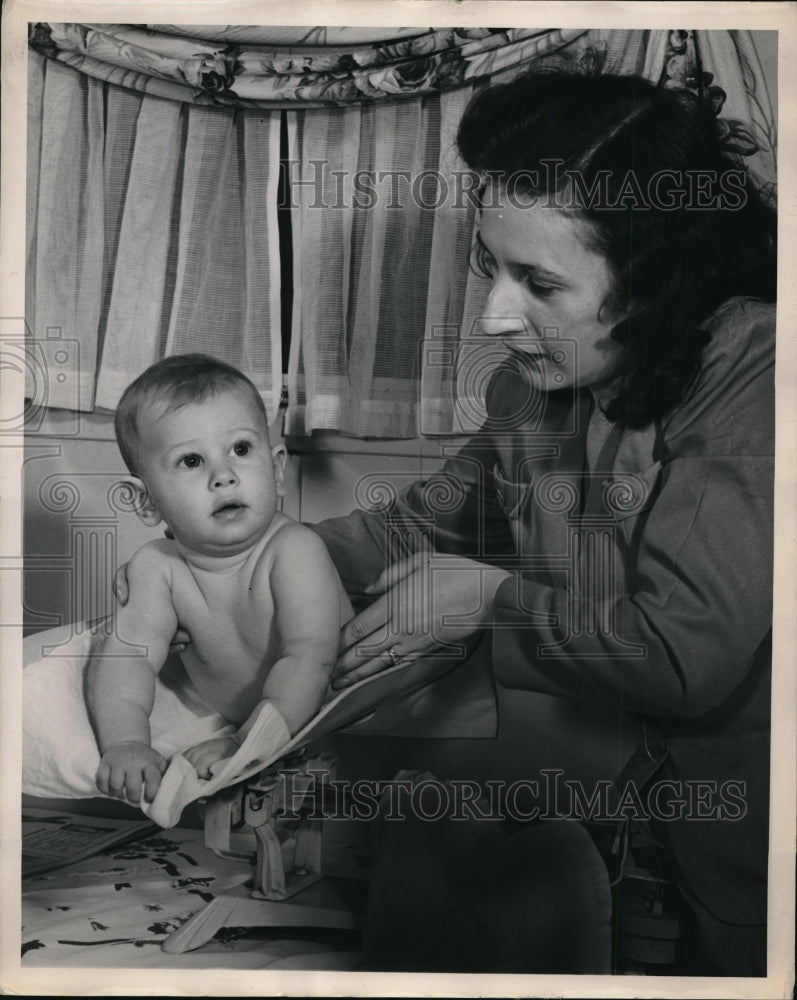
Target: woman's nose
[(493, 325), (502, 315)]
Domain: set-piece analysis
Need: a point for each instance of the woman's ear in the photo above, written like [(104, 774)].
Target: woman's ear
[(141, 501), (279, 456), (616, 309)]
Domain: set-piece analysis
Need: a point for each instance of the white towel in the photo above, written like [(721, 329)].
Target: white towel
[(59, 752), (180, 784)]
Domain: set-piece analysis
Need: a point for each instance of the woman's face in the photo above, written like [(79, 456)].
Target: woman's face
[(546, 298)]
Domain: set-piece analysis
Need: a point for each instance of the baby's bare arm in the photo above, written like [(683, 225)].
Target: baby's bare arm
[(305, 590), (120, 681)]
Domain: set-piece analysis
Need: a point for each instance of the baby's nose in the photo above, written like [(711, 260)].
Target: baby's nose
[(223, 477)]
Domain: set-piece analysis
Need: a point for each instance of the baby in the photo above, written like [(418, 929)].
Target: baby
[(256, 591)]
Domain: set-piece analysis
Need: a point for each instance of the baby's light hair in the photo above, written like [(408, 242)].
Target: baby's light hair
[(178, 381)]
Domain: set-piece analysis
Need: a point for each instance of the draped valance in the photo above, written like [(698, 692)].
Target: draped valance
[(273, 67)]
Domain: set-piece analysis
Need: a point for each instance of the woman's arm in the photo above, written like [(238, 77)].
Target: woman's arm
[(453, 511), (423, 603), (425, 571), (422, 572)]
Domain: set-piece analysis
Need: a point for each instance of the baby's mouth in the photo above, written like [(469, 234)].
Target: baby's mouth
[(228, 510)]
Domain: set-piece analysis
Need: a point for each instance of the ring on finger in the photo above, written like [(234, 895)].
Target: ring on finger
[(395, 659)]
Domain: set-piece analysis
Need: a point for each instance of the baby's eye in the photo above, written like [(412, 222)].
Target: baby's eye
[(242, 448), (192, 461)]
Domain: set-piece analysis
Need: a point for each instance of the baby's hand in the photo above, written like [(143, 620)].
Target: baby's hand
[(127, 768), (204, 755)]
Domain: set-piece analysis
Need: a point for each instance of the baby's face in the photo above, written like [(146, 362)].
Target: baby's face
[(211, 472)]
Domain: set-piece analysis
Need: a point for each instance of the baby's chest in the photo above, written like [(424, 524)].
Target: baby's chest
[(224, 617)]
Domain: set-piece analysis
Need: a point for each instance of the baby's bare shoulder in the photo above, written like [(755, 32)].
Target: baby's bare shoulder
[(298, 541), (293, 545), (157, 556)]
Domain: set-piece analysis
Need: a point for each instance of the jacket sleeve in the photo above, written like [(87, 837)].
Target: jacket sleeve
[(698, 599), (455, 511)]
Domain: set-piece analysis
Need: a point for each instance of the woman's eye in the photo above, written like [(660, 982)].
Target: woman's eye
[(482, 262), (242, 448), (539, 288), (191, 461)]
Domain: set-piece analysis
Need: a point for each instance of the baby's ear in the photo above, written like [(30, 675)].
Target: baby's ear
[(279, 455), (141, 501)]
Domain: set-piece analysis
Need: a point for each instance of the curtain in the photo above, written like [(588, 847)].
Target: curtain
[(153, 164), (363, 278), (152, 230)]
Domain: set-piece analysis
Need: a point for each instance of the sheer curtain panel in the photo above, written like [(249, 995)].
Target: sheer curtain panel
[(152, 230)]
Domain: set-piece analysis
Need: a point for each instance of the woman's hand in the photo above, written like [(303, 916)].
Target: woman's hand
[(121, 591), (424, 602)]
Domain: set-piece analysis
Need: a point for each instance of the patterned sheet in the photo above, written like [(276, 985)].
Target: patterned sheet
[(115, 909)]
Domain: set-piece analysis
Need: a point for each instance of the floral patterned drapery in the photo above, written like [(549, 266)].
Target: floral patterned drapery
[(229, 68)]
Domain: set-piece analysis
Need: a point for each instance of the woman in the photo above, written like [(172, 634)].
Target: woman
[(633, 274)]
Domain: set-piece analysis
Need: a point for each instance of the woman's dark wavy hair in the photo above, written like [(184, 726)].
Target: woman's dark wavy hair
[(672, 268)]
